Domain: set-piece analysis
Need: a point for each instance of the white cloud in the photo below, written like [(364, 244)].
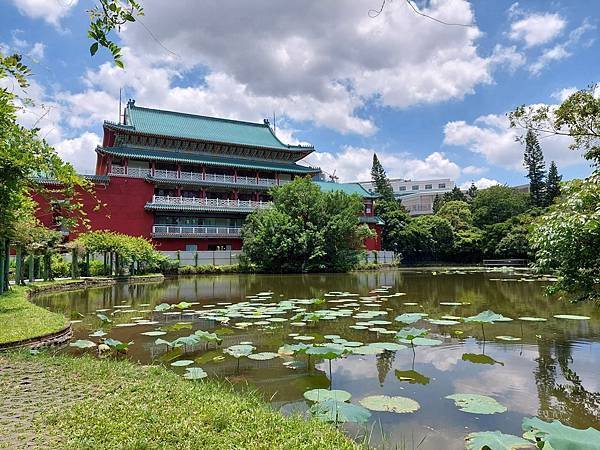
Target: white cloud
[(49, 10), (563, 94), (507, 57), (537, 29), (492, 137), (482, 183), (474, 170), (354, 164), (80, 151), (37, 51)]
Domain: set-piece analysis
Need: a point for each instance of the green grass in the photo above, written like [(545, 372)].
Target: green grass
[(20, 319), (125, 405)]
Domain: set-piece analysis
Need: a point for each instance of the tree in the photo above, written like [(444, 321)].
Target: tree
[(395, 218), (534, 162), (380, 180), (458, 213), (497, 204), (553, 184), (578, 117), (472, 191), (427, 238), (454, 195), (306, 230), (566, 240)]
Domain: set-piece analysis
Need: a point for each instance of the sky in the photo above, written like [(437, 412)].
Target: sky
[(430, 99)]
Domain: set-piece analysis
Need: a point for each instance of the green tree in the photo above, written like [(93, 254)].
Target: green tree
[(454, 195), (395, 218), (497, 204), (536, 169), (566, 240), (306, 230), (472, 191), (553, 184), (427, 238), (380, 180), (577, 117), (468, 245), (458, 213)]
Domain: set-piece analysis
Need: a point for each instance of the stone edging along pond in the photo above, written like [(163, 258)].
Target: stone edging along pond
[(62, 336)]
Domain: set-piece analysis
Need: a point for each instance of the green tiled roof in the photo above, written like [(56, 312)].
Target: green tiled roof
[(348, 188), (371, 219), (191, 126), (209, 160)]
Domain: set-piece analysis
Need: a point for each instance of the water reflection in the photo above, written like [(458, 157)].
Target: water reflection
[(551, 372)]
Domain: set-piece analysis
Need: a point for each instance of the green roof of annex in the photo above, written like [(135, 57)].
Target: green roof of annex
[(192, 126), (348, 188)]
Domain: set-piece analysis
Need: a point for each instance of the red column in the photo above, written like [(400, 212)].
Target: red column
[(109, 164), (178, 191), (203, 172), (235, 175), (153, 169), (126, 162), (257, 176), (178, 170)]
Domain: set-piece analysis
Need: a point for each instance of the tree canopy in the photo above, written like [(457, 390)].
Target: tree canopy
[(497, 204), (534, 163), (306, 230)]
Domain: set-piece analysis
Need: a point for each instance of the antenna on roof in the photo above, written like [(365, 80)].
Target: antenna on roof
[(119, 106), (274, 125)]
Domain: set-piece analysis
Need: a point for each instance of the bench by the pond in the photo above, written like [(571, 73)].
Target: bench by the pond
[(505, 262)]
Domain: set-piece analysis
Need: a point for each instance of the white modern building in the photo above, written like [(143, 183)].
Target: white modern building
[(416, 196)]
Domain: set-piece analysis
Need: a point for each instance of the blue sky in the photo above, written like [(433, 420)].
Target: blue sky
[(429, 99)]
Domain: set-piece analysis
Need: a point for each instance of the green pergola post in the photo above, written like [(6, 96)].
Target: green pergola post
[(31, 268), (74, 264), (19, 265), (87, 264), (6, 263), (112, 260), (2, 263)]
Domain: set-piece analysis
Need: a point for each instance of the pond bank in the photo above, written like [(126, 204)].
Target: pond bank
[(66, 402), (23, 323)]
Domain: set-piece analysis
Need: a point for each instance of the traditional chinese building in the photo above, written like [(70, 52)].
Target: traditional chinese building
[(187, 181)]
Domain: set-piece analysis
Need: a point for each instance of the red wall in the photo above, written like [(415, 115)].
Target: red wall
[(374, 243)]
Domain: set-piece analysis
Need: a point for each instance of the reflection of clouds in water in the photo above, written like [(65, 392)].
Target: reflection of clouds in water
[(442, 358), (585, 364)]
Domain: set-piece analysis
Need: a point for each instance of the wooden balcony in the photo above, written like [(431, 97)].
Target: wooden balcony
[(161, 202), (202, 232)]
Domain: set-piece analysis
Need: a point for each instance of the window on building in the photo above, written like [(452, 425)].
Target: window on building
[(415, 187), (442, 186), (401, 188), (191, 248), (367, 210), (428, 186)]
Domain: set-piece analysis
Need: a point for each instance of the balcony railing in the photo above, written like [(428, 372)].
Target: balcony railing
[(135, 172), (192, 231), (211, 203)]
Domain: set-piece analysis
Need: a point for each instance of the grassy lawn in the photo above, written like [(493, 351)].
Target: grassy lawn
[(20, 319), (118, 404)]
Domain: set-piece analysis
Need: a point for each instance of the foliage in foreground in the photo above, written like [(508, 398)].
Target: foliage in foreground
[(567, 239), (20, 319), (306, 230), (129, 406)]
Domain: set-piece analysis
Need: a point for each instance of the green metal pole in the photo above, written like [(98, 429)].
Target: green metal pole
[(74, 264), (31, 268), (6, 263), (111, 263), (87, 264), (2, 242), (46, 271), (19, 265)]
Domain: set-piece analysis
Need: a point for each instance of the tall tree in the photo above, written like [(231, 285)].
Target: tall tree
[(472, 191), (553, 184), (536, 169), (382, 184)]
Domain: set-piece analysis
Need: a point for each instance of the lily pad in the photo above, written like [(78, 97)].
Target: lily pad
[(532, 319), (238, 351), (295, 364), (182, 362), (508, 338), (486, 317), (83, 343), (571, 317), (320, 395), (410, 334), (154, 333), (408, 318), (562, 437), (480, 359), (390, 404), (495, 440), (98, 333), (477, 404), (451, 303), (194, 373), (162, 307), (263, 356), (303, 338), (443, 322), (339, 412), (388, 346)]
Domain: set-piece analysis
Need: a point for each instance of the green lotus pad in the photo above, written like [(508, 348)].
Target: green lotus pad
[(477, 404), (495, 440), (532, 319), (508, 338), (263, 356), (320, 395), (390, 404), (339, 412), (571, 317)]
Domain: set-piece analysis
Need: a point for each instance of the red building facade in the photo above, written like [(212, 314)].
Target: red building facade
[(187, 182)]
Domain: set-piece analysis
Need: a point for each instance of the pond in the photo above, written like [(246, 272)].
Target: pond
[(545, 368)]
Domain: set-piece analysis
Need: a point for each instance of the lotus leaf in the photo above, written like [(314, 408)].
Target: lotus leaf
[(320, 395), (366, 350), (154, 333), (237, 351), (495, 440), (207, 336), (339, 412), (194, 373), (103, 318), (182, 363), (450, 303), (485, 317), (388, 346), (562, 437), (303, 338), (330, 351), (408, 318), (98, 333), (571, 317), (412, 376), (83, 343), (162, 307), (263, 356), (533, 319), (183, 305), (508, 338), (443, 322), (117, 345), (390, 404), (477, 404), (411, 333)]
